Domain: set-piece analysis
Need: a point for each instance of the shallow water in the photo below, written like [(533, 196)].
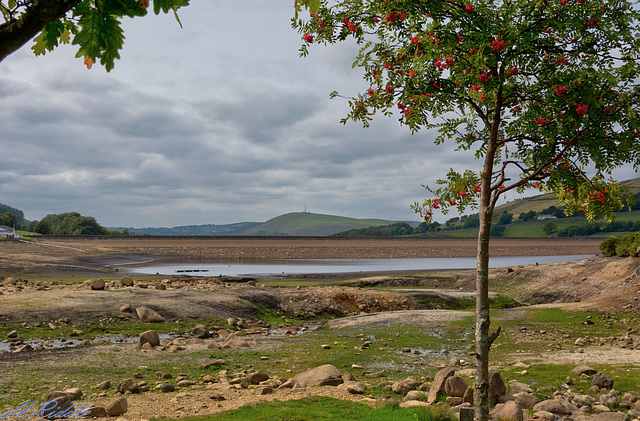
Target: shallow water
[(283, 267)]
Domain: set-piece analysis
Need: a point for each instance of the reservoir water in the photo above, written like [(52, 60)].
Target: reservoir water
[(283, 267)]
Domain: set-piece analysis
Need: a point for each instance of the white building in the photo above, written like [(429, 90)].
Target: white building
[(8, 232)]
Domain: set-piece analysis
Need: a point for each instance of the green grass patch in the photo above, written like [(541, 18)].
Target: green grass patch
[(327, 409)]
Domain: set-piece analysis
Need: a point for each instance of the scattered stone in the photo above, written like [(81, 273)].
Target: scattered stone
[(201, 332), (127, 308), (126, 281), (185, 383), (414, 404), (611, 416), (509, 411), (324, 375), (128, 385), (104, 385), (402, 387), (165, 387), (416, 395), (117, 407), (148, 315), (97, 284), (74, 393), (455, 386), (583, 369), (94, 412), (12, 334), (553, 406), (214, 363), (437, 387), (63, 403), (352, 387), (208, 378), (497, 387), (348, 377), (602, 381), (233, 341), (23, 348), (150, 337), (526, 400), (255, 378), (263, 390)]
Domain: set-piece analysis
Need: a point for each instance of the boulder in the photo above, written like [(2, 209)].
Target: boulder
[(126, 308), (352, 387), (126, 281), (150, 337), (583, 369), (437, 387), (611, 416), (324, 375), (97, 284), (509, 411), (602, 381), (117, 407), (526, 400), (165, 387), (402, 387), (233, 341), (104, 385), (94, 412), (58, 405), (148, 315), (415, 395), (497, 387), (255, 378), (552, 405), (517, 387), (74, 393), (200, 331), (455, 386), (128, 385)]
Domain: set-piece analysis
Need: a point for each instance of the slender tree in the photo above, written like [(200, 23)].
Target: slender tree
[(543, 92)]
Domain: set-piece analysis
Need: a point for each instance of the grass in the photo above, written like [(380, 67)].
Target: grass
[(327, 409)]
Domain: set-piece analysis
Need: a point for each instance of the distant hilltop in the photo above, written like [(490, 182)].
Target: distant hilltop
[(290, 224)]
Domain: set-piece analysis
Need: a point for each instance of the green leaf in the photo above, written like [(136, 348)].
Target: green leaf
[(167, 5)]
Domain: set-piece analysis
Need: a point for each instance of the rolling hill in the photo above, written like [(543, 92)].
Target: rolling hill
[(303, 223)]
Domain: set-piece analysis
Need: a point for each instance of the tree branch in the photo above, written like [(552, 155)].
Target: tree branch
[(14, 34)]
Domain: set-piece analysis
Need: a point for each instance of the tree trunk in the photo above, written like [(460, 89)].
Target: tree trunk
[(481, 395)]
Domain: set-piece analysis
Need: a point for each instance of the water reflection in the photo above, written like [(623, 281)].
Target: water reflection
[(282, 267)]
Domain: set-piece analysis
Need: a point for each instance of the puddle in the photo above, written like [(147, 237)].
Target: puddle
[(70, 343)]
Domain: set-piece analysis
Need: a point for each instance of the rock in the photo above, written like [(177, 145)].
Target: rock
[(97, 284), (117, 407), (200, 331), (128, 385), (263, 390), (104, 385), (583, 399), (611, 416), (517, 387), (455, 362), (207, 378), (165, 387), (414, 404), (437, 387), (552, 405), (12, 334), (233, 341), (23, 348), (509, 411), (324, 375), (126, 308), (150, 337), (583, 369), (415, 395), (352, 387), (348, 377), (468, 396), (185, 383), (147, 347), (455, 386), (289, 384), (602, 381), (126, 281), (74, 393), (402, 387), (609, 401), (214, 363), (545, 415), (62, 404), (94, 412), (497, 387), (255, 378), (526, 400), (148, 315)]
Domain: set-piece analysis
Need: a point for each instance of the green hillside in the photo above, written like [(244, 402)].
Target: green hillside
[(302, 223), (543, 201)]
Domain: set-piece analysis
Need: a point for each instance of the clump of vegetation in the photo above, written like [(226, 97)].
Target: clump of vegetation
[(621, 246)]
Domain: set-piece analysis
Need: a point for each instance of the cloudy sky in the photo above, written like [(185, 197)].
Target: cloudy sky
[(218, 122)]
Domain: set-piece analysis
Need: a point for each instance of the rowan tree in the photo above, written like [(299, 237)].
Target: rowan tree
[(543, 92)]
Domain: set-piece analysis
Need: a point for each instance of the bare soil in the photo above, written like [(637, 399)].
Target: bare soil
[(34, 278)]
